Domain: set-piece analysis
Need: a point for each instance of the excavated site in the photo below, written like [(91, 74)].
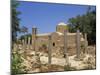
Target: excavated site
[(37, 61)]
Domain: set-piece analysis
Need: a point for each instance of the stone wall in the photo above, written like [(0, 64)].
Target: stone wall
[(57, 43), (41, 43)]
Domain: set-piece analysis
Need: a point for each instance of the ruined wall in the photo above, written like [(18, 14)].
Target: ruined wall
[(57, 43)]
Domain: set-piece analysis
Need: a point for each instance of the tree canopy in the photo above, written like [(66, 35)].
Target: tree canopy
[(14, 19), (86, 24)]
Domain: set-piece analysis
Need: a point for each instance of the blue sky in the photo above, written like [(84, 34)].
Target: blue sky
[(45, 16)]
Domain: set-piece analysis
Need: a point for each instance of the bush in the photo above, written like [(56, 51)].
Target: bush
[(16, 61)]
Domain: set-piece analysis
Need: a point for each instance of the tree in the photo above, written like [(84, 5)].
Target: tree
[(24, 29), (86, 23), (14, 19), (26, 36), (16, 57)]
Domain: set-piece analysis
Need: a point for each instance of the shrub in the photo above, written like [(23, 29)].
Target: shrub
[(16, 61)]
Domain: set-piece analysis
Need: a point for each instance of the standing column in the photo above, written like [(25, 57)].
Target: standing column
[(23, 43), (15, 47), (78, 43), (25, 47), (65, 47), (85, 43), (34, 31), (28, 42), (49, 50)]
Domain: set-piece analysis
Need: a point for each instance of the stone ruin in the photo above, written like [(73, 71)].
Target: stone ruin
[(59, 42), (50, 46)]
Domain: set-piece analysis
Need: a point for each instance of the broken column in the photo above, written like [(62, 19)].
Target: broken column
[(23, 43), (15, 47), (23, 47)]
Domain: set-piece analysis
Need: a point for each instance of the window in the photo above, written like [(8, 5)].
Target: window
[(53, 44)]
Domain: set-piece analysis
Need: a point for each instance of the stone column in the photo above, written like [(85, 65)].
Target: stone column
[(15, 47), (28, 42), (34, 32), (65, 47), (78, 44), (23, 44), (86, 43), (26, 47), (49, 50)]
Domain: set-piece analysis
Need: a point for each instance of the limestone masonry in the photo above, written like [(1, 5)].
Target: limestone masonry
[(41, 41)]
